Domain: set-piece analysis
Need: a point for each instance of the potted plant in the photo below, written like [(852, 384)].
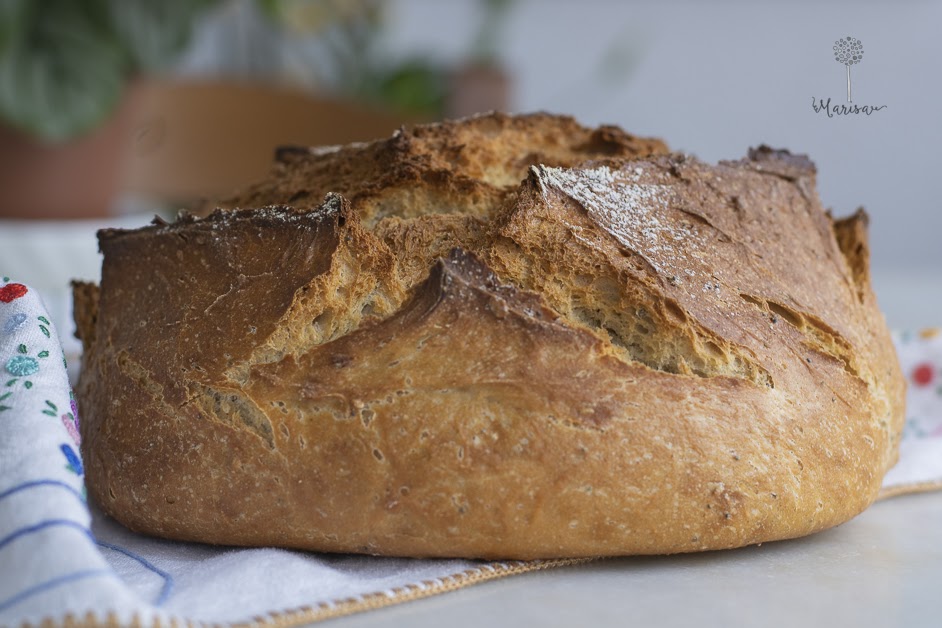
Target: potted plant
[(68, 70), (335, 44)]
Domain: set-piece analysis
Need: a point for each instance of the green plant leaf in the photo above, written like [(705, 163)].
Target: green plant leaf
[(63, 73), (270, 8), (417, 86), (12, 13), (154, 33)]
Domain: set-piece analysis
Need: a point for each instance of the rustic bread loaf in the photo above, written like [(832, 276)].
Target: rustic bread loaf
[(504, 337)]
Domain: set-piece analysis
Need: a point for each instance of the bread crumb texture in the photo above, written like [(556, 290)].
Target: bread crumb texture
[(500, 337)]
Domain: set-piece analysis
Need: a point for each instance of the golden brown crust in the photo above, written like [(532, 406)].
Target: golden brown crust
[(638, 354), (85, 298), (465, 167)]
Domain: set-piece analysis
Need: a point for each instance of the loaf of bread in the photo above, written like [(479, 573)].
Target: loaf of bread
[(502, 337)]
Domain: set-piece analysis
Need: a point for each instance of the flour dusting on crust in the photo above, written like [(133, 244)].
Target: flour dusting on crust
[(627, 208)]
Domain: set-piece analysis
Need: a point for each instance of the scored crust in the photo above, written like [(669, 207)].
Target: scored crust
[(542, 341)]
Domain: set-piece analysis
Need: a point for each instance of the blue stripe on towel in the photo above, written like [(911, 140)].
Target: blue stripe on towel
[(168, 582), (42, 525), (35, 483), (54, 582), (165, 590)]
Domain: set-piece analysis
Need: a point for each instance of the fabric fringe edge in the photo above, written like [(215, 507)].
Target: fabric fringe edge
[(325, 610)]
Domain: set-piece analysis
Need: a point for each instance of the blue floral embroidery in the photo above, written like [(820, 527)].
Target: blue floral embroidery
[(75, 463), (13, 322), (21, 366)]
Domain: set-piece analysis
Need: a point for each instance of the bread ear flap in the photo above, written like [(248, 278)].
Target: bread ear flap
[(85, 312), (853, 238)]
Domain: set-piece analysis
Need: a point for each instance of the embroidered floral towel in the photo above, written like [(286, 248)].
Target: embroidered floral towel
[(59, 558), (920, 456), (49, 559)]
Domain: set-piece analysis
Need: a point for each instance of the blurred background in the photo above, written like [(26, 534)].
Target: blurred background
[(113, 110)]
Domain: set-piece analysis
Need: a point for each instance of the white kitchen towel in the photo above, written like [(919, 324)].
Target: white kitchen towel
[(63, 561), (920, 451), (50, 561)]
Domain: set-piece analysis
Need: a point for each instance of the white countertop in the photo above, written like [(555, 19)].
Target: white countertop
[(883, 568)]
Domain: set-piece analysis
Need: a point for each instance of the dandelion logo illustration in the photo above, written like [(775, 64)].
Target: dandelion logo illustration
[(848, 51)]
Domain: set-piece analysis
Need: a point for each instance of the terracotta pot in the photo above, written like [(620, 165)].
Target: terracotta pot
[(204, 139), (175, 142), (76, 179), (477, 88)]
